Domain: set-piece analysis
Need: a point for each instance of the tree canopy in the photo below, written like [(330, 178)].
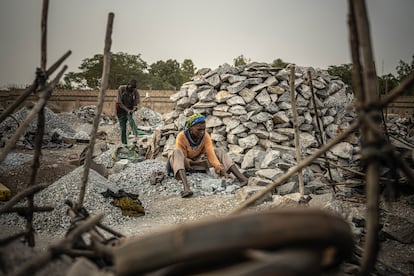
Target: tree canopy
[(160, 75)]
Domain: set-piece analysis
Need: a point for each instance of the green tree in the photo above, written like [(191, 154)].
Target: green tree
[(187, 70), (386, 83), (123, 67), (240, 60), (279, 63), (404, 70), (343, 71), (166, 74)]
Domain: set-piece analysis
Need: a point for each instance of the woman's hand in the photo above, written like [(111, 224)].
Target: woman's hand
[(224, 174)]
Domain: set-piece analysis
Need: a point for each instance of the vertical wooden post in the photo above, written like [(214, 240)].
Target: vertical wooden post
[(322, 140), (40, 126), (367, 94), (296, 128), (43, 58), (101, 98)]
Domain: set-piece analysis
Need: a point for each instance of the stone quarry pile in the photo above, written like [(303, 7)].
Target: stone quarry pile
[(87, 113), (248, 112), (55, 129)]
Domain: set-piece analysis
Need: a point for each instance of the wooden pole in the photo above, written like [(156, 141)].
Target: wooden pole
[(40, 128), (369, 97), (296, 128), (32, 266), (101, 98), (31, 190), (44, 35), (318, 124)]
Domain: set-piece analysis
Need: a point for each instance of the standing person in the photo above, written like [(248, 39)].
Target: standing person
[(127, 101), (194, 151)]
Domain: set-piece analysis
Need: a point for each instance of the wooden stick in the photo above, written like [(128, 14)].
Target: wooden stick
[(296, 128), (402, 141), (322, 140), (305, 162), (24, 210), (101, 98), (55, 251), (370, 87), (44, 35), (35, 167), (7, 240), (41, 103), (31, 190)]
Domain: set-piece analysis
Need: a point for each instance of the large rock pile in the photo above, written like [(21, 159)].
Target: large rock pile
[(249, 113)]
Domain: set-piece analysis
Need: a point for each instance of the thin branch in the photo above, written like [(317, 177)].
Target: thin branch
[(44, 35), (8, 240), (55, 251), (371, 94), (318, 123), (31, 190), (101, 98), (296, 127)]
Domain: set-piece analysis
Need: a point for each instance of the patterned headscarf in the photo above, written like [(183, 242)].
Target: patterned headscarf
[(193, 120)]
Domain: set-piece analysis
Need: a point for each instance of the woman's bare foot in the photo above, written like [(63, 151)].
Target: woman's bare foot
[(244, 181)]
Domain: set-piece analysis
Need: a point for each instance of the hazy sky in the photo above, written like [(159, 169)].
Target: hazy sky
[(210, 33)]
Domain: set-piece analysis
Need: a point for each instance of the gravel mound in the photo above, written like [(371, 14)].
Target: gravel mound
[(15, 159)]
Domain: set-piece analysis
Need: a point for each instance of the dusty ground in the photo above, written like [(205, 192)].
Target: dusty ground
[(55, 165)]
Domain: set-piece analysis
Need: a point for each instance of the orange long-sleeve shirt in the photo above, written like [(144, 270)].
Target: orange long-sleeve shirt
[(205, 147)]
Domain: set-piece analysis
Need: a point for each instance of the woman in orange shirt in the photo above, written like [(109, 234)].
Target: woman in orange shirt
[(194, 151)]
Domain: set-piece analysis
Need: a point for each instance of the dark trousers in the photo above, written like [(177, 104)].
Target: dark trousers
[(123, 118)]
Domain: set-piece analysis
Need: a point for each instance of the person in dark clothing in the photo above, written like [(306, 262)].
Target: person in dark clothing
[(128, 100)]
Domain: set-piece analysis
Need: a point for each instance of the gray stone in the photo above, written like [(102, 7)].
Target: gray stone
[(236, 87), (213, 121), (271, 159), (238, 110), (236, 100), (206, 95), (247, 94), (248, 142), (258, 181), (202, 105), (263, 98), (343, 150), (183, 102), (238, 129), (261, 117), (222, 96), (235, 78), (248, 191), (254, 106), (214, 80), (271, 174)]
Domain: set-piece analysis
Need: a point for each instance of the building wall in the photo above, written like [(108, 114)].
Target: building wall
[(67, 100)]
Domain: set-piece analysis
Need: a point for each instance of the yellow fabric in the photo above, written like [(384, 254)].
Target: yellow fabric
[(129, 207), (205, 147)]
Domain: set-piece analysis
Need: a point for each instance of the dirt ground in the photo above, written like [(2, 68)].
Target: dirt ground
[(55, 164)]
